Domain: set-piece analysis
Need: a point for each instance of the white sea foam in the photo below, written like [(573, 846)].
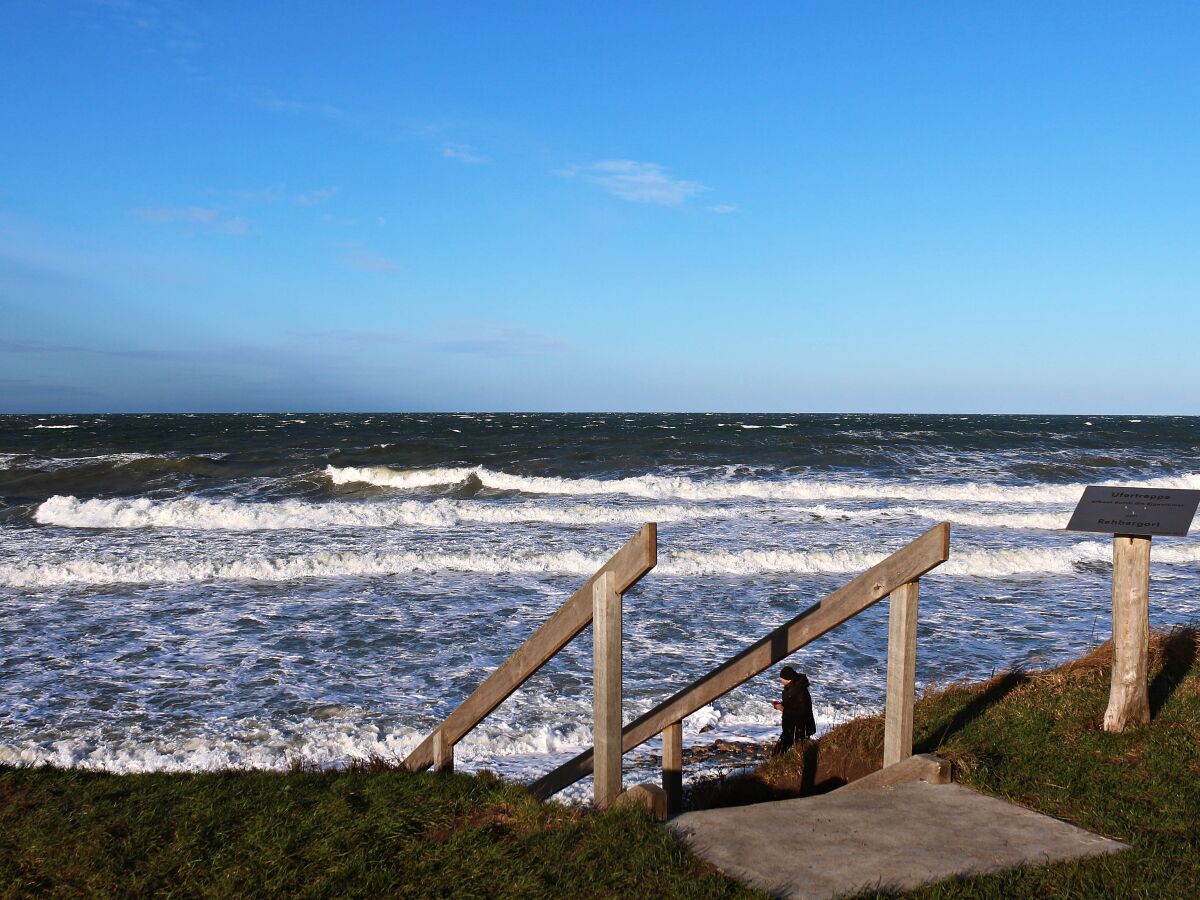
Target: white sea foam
[(1050, 521), (231, 515), (382, 476), (256, 745), (665, 487), (157, 570), (56, 426), (336, 741), (1023, 520)]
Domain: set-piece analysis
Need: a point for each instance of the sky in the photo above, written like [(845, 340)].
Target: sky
[(776, 207)]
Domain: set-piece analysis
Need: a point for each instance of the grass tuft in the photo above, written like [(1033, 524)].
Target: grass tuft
[(372, 830)]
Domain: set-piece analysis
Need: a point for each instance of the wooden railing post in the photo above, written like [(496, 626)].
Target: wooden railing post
[(606, 689), (1129, 694), (672, 767), (443, 752), (901, 673)]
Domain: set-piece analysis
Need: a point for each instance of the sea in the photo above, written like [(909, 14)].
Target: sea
[(203, 592)]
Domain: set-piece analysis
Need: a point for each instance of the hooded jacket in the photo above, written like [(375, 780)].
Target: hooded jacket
[(797, 708)]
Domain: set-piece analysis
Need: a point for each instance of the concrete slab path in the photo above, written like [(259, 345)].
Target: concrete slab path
[(892, 837)]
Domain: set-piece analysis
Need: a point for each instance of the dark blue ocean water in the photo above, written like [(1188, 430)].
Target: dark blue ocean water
[(187, 592)]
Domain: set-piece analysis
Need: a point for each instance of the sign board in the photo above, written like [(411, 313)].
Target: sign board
[(1134, 510)]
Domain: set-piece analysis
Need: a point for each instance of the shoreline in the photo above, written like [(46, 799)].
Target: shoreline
[(1032, 737)]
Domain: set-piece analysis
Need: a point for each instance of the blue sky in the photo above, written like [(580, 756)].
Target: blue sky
[(965, 207)]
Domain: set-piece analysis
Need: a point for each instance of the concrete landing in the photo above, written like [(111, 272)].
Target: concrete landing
[(891, 837)]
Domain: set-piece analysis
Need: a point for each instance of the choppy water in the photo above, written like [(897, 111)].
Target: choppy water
[(194, 592)]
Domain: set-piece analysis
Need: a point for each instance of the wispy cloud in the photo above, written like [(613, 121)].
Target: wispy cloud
[(312, 198), (475, 337), (463, 153), (272, 193), (638, 182), (73, 264), (216, 354), (146, 15), (272, 102), (160, 26), (36, 394), (194, 218), (723, 209), (489, 338), (366, 261), (7, 346)]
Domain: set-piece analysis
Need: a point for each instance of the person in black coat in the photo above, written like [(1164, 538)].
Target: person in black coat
[(796, 706)]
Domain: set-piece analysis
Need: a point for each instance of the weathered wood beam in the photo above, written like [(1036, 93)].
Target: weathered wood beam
[(672, 767), (1129, 694), (901, 673), (606, 690), (443, 753)]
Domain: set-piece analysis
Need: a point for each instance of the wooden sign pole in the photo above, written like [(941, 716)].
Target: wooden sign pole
[(1129, 696), (1131, 514)]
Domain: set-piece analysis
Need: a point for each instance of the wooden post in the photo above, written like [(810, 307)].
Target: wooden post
[(901, 673), (606, 689), (672, 767), (1129, 696), (443, 752)]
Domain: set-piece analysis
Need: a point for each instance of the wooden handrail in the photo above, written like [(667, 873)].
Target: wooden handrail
[(905, 565), (628, 565)]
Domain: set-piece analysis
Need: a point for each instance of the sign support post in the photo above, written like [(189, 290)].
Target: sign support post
[(1132, 515), (1129, 695)]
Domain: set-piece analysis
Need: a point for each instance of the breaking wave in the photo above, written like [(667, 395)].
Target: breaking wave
[(232, 515), (967, 562), (667, 487)]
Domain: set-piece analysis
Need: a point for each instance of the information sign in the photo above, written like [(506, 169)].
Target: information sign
[(1134, 510)]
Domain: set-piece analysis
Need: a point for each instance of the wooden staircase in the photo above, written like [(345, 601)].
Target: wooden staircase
[(898, 576)]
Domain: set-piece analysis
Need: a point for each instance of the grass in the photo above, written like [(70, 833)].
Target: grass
[(1030, 737), (309, 834), (1035, 738)]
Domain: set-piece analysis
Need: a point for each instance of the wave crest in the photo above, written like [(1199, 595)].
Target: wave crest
[(233, 515), (669, 487), (967, 562)]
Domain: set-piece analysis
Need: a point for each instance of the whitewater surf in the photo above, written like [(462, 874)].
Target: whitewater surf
[(198, 592)]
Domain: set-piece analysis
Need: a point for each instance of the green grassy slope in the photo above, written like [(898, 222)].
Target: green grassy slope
[(381, 833)]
